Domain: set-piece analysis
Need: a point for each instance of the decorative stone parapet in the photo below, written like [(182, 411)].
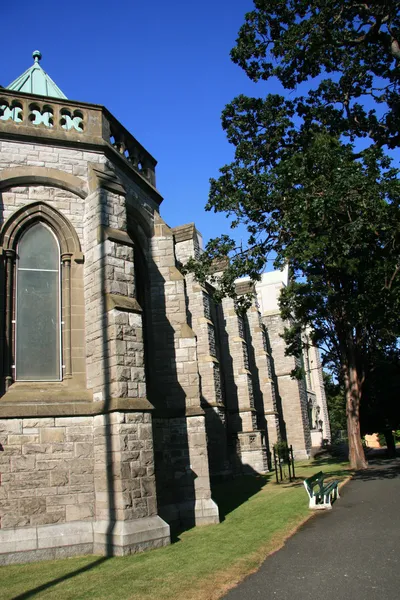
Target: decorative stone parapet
[(61, 121)]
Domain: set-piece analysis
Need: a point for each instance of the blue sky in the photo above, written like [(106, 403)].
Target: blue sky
[(161, 67)]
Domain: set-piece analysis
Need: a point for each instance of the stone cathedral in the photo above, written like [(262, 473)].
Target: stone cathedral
[(125, 390)]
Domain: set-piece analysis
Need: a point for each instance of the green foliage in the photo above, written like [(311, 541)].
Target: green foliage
[(282, 450), (312, 179), (301, 189), (353, 45), (382, 440)]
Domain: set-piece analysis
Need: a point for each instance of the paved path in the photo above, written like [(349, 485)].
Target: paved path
[(348, 553)]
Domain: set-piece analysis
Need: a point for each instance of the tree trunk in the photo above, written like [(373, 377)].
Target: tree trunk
[(390, 443), (353, 398)]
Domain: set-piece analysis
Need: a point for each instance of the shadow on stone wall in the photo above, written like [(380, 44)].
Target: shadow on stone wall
[(174, 476), (5, 350), (230, 394), (218, 447), (258, 396), (109, 463), (278, 399)]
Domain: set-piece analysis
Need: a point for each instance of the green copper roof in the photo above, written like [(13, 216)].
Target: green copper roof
[(36, 81)]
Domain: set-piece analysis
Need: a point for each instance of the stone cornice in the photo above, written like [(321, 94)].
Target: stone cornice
[(114, 235), (122, 303), (184, 233), (244, 287), (49, 403)]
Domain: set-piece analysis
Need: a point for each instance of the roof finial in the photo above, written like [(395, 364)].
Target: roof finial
[(36, 81)]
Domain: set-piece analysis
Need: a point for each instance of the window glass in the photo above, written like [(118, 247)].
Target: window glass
[(37, 307), (38, 249)]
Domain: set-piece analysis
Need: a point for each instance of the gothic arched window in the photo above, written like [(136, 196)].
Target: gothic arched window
[(43, 297), (38, 306)]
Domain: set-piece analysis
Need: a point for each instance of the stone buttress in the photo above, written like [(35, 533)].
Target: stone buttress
[(292, 392), (261, 369), (183, 481), (316, 399), (202, 316), (247, 441)]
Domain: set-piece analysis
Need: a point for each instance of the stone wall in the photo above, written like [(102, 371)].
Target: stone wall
[(74, 485), (84, 483), (47, 487), (248, 441), (126, 503), (47, 468), (115, 352), (66, 160), (263, 384), (318, 386)]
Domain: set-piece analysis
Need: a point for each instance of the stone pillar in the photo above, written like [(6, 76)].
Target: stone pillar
[(113, 316), (10, 265), (126, 511), (318, 386), (202, 317), (242, 415), (291, 392), (260, 359), (126, 504), (181, 451)]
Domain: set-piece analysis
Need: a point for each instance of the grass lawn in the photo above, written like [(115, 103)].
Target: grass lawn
[(257, 516)]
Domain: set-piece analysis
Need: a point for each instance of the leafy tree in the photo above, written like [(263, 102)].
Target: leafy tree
[(312, 179)]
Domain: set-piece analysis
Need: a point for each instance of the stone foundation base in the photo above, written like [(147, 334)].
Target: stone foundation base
[(128, 537), (31, 544), (46, 542), (206, 512), (301, 454), (316, 439), (29, 556), (191, 513)]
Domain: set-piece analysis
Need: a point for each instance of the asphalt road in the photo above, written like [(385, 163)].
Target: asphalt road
[(348, 553)]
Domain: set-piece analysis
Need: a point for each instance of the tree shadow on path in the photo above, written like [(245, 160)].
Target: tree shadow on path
[(379, 469)]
